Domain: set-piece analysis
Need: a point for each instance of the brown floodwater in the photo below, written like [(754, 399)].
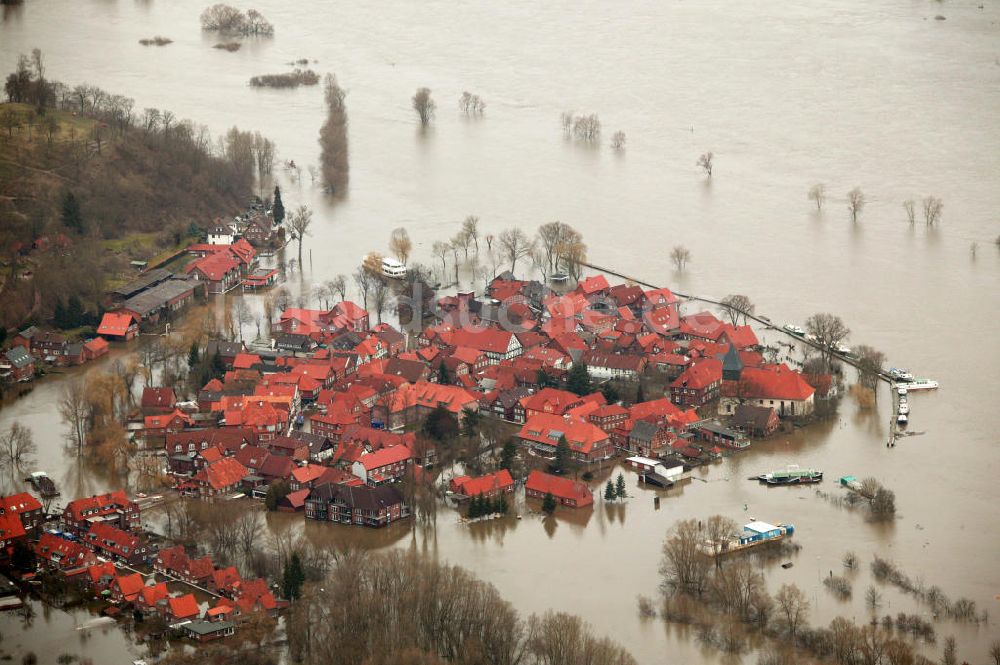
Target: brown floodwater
[(850, 93)]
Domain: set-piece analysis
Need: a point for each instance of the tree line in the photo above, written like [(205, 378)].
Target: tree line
[(397, 607)]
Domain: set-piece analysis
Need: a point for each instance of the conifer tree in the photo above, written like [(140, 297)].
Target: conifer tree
[(72, 217), (620, 486), (609, 491), (507, 455), (562, 455), (578, 379), (549, 503), (294, 577), (194, 355), (502, 506), (278, 208)]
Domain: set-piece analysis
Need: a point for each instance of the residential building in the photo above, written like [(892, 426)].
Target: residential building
[(357, 505), (566, 492)]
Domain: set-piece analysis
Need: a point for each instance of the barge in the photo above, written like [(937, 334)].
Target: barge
[(791, 475)]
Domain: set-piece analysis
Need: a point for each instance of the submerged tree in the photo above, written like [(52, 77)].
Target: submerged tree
[(424, 106), (334, 162), (400, 244), (618, 140), (932, 207), (680, 255), (817, 194), (855, 203), (911, 210), (705, 162), (299, 223)]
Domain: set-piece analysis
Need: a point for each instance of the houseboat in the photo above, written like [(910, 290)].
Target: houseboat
[(900, 374), (393, 269), (795, 330), (791, 475), (754, 533), (43, 484)]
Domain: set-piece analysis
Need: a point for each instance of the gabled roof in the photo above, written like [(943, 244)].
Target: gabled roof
[(19, 357), (222, 474), (158, 398), (184, 607), (500, 480), (129, 585), (581, 436), (563, 488), (385, 457), (773, 382), (700, 375), (214, 266), (16, 504), (115, 323)]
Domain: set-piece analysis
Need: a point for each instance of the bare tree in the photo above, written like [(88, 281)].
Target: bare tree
[(587, 128), (299, 222), (400, 244), (551, 235), (705, 163), (618, 140), (338, 286), (566, 122), (571, 252), (828, 331), (515, 245), (817, 194), (870, 361), (364, 281), (855, 203), (380, 296), (932, 210), (16, 446), (74, 408), (793, 606), (470, 227), (680, 255), (911, 210), (973, 248), (334, 163), (440, 250), (461, 240), (424, 106), (471, 104), (242, 314), (718, 534), (684, 567), (736, 306), (995, 652)]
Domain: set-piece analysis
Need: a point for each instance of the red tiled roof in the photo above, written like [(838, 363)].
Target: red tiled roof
[(484, 339), (561, 488), (245, 360), (115, 323), (550, 400), (593, 285), (700, 375), (215, 266), (384, 457), (500, 480), (151, 595), (183, 607), (773, 382), (19, 503), (103, 504), (158, 397), (99, 570), (547, 429), (224, 578), (11, 527), (224, 473), (130, 585), (96, 344)]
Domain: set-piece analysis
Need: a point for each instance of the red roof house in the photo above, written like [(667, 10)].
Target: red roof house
[(566, 491)]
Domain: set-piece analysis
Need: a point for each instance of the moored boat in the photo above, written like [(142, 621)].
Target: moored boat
[(791, 475), (918, 384)]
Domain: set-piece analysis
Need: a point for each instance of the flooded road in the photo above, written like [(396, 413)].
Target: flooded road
[(882, 97)]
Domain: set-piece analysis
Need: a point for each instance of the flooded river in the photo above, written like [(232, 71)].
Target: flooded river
[(849, 93)]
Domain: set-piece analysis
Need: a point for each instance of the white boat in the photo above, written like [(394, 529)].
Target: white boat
[(901, 391), (795, 330), (900, 374), (921, 384), (842, 349), (902, 419), (559, 277), (393, 269), (904, 408)]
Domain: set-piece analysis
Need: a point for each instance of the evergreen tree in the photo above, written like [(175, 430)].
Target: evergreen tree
[(470, 422), (620, 486), (293, 578), (217, 368), (508, 454), (72, 217), (278, 209), (194, 231), (562, 455), (74, 312), (578, 379), (440, 424), (609, 491), (59, 315), (194, 355), (502, 506), (549, 503), (544, 379), (640, 394), (610, 392), (443, 375)]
